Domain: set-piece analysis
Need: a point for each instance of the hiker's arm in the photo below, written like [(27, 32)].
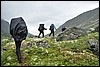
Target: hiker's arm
[(45, 28)]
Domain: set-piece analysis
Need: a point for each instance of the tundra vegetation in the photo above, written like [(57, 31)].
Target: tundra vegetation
[(75, 52)]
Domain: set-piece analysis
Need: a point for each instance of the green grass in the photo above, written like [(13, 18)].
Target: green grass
[(61, 53)]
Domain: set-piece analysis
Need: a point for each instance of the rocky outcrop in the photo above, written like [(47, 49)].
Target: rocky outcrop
[(39, 43), (71, 33), (94, 46), (86, 20), (43, 44)]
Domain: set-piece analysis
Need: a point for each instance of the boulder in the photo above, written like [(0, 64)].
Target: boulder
[(94, 45), (71, 34), (29, 45), (43, 44)]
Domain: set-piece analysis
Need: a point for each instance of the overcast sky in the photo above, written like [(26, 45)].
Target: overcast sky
[(47, 12)]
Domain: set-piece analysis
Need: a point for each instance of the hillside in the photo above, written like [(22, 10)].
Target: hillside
[(4, 28), (49, 52), (76, 46), (86, 20)]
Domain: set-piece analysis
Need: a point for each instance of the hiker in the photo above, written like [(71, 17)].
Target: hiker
[(52, 27), (18, 30), (41, 30)]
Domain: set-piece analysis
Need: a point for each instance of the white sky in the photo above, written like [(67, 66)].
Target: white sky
[(47, 12)]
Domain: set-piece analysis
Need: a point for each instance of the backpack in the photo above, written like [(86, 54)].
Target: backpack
[(18, 29), (41, 27), (52, 26)]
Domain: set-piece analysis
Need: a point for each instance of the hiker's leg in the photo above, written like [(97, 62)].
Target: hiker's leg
[(53, 33), (39, 34), (50, 33), (43, 34), (18, 53)]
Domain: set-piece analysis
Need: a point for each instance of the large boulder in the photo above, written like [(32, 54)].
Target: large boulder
[(94, 45), (71, 33)]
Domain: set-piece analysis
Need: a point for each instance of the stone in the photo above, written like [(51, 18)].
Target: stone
[(71, 34), (29, 45), (43, 44), (94, 45)]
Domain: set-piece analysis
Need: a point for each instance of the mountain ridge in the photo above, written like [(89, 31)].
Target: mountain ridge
[(83, 20), (4, 28)]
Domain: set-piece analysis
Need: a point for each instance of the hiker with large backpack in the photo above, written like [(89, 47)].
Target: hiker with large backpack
[(52, 27), (41, 30), (18, 30)]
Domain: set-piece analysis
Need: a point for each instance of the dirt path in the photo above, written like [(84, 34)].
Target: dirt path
[(24, 61)]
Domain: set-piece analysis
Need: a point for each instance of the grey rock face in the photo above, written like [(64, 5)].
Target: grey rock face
[(94, 45), (86, 20), (71, 33)]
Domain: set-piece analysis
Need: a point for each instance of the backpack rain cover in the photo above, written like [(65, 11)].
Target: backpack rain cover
[(18, 29)]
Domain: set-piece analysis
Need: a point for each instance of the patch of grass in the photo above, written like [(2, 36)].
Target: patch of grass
[(61, 53)]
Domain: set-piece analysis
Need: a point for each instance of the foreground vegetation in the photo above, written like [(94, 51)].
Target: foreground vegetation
[(62, 53)]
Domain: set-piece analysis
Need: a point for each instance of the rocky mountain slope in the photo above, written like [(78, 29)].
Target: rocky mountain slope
[(86, 20), (4, 28)]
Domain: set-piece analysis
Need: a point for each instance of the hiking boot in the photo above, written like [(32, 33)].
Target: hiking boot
[(38, 36), (19, 60)]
